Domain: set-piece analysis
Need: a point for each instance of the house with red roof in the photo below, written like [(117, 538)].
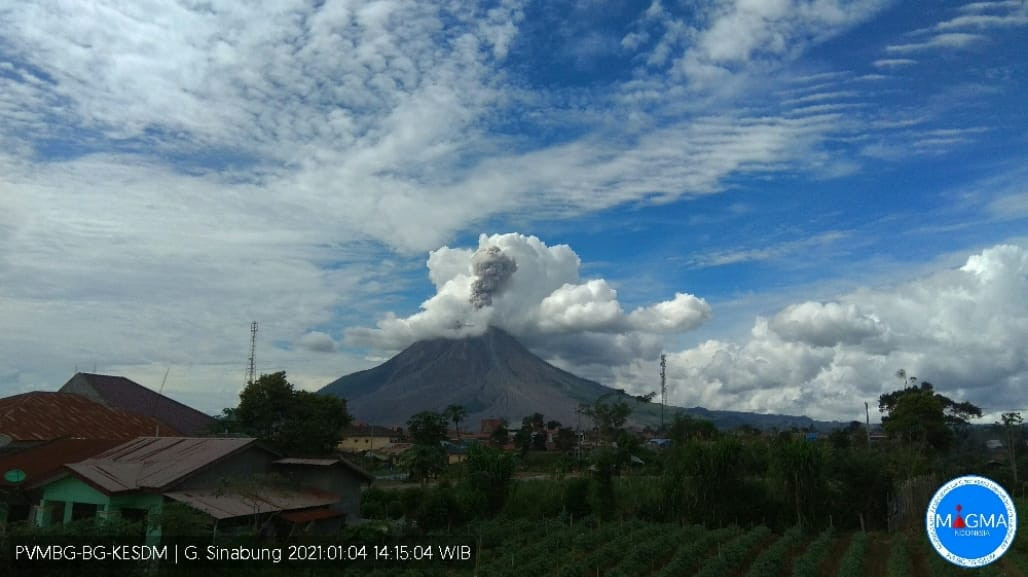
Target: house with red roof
[(33, 418)]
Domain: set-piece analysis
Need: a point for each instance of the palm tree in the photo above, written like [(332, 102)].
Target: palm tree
[(456, 413)]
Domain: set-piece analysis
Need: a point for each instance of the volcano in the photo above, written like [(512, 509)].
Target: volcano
[(495, 376), (491, 376)]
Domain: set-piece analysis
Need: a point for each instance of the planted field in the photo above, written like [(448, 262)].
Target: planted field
[(639, 549)]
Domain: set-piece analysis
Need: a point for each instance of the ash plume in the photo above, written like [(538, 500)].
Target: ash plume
[(493, 270)]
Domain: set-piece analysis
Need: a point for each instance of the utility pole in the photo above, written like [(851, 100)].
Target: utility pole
[(251, 373), (663, 387), (867, 417)]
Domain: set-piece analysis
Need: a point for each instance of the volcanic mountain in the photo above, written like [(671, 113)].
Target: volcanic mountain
[(492, 375), (495, 376)]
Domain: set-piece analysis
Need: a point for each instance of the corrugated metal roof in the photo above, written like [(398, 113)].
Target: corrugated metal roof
[(326, 462), (44, 416), (154, 462), (223, 505), (313, 462), (46, 461), (311, 515), (122, 393)]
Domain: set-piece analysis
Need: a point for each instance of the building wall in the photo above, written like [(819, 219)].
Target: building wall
[(61, 497), (357, 444), (335, 479)]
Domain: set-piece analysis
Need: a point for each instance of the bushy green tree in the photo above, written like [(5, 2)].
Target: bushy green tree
[(920, 416), (427, 458), (488, 476), (294, 422)]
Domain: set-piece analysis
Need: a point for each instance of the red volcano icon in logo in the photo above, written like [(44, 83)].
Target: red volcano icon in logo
[(958, 523)]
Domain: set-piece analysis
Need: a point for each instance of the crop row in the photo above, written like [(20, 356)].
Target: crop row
[(769, 561), (899, 563), (578, 563), (687, 557), (733, 553), (807, 564), (642, 558), (853, 560)]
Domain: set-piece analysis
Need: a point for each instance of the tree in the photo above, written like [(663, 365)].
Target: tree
[(456, 413), (297, 422), (489, 475), (427, 457), (1011, 423), (609, 416), (565, 439), (917, 414), (500, 435), (686, 426)]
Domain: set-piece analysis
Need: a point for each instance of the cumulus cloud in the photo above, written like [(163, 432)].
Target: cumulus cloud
[(825, 324), (317, 341), (965, 330), (545, 300)]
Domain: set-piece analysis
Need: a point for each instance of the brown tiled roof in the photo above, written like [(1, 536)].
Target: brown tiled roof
[(46, 461), (44, 416), (154, 462), (122, 393)]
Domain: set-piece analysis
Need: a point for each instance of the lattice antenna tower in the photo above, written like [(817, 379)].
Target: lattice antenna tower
[(251, 371), (663, 386)]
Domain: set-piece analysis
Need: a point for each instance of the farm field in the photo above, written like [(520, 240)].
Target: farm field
[(640, 549)]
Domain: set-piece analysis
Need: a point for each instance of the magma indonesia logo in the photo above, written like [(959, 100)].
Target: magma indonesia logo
[(971, 521)]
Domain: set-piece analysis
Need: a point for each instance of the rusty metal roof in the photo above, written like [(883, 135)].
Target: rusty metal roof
[(154, 462), (311, 515), (225, 505), (44, 462), (122, 393), (44, 416)]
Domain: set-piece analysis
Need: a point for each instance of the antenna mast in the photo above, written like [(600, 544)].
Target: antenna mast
[(663, 387), (251, 372)]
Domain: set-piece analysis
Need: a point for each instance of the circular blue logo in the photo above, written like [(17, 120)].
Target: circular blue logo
[(971, 521)]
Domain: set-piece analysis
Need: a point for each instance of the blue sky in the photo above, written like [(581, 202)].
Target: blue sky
[(792, 199)]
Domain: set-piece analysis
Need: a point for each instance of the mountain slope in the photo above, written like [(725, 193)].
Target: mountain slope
[(494, 375), (490, 376)]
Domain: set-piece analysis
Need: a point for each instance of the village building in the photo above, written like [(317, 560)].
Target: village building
[(34, 418), (361, 437), (238, 482), (127, 395)]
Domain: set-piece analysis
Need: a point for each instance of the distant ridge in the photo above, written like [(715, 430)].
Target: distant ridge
[(494, 375)]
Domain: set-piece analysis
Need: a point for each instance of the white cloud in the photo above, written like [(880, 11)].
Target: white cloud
[(741, 33), (317, 341), (893, 62), (949, 40), (545, 301), (965, 330)]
